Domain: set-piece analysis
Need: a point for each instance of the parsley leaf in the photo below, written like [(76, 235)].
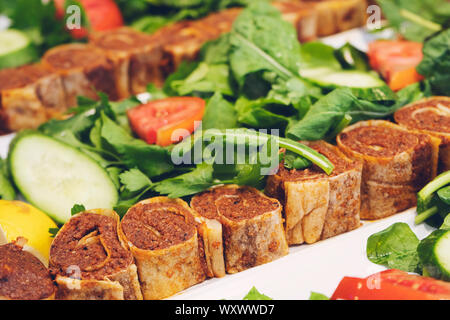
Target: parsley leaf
[(134, 180), (254, 294), (77, 208)]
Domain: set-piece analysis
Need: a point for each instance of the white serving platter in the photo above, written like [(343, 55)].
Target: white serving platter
[(318, 267)]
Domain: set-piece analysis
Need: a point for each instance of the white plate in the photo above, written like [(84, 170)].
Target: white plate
[(318, 267)]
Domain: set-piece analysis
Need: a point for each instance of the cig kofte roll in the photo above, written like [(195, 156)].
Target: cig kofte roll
[(29, 96), (136, 57), (91, 262), (430, 116), (251, 227), (396, 164), (162, 236), (84, 70), (22, 275), (318, 206)]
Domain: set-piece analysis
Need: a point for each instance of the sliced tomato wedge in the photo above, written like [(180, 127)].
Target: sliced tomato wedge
[(156, 121), (396, 61), (392, 285), (103, 15)]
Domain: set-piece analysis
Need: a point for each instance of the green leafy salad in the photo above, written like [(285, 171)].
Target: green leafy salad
[(397, 247), (258, 76)]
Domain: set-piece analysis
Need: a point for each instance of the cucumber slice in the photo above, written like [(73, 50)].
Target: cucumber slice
[(332, 78), (16, 49), (434, 254), (54, 176)]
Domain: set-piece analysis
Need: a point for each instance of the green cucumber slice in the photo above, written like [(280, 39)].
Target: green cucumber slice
[(332, 78), (54, 176), (16, 49), (434, 254)]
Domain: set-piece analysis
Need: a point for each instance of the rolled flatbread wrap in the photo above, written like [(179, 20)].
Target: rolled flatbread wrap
[(90, 261), (29, 96), (318, 206), (430, 116), (22, 275), (136, 57), (252, 227), (84, 70), (396, 164), (162, 235)]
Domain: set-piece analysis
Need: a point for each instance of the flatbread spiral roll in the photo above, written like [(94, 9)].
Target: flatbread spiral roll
[(162, 235), (84, 70), (22, 275), (396, 164), (252, 227), (29, 96), (136, 57), (91, 262), (318, 206), (430, 116)]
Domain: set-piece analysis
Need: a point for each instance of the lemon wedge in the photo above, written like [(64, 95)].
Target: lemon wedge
[(20, 219)]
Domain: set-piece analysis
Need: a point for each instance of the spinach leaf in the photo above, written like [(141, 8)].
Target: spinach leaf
[(216, 51), (219, 114), (318, 296), (416, 19), (205, 80), (330, 110), (261, 41), (152, 160), (254, 294), (262, 113), (318, 55), (436, 62), (199, 179), (395, 248)]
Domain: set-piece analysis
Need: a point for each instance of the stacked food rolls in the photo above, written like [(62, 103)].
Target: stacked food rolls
[(91, 262), (182, 41), (122, 62), (29, 96), (162, 236), (318, 206), (251, 227), (84, 70), (396, 164), (430, 116), (22, 275), (136, 57)]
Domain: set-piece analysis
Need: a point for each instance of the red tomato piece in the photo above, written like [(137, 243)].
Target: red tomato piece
[(396, 61), (102, 15), (156, 121), (392, 285)]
